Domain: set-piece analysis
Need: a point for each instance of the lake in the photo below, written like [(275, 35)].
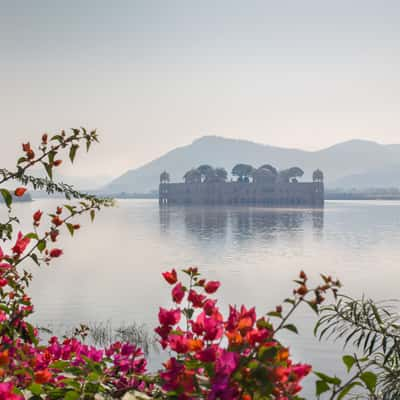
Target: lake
[(111, 269)]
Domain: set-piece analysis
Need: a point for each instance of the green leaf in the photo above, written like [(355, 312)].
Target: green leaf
[(35, 389), (48, 169), (31, 236), (41, 245), (347, 389), (290, 301), (349, 361), (313, 306), (71, 395), (51, 156), (321, 387), (7, 197), (291, 328), (71, 229), (329, 379), (275, 314), (35, 259), (93, 377), (92, 214), (72, 152), (370, 379)]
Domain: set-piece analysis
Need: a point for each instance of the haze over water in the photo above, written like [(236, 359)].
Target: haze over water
[(111, 269)]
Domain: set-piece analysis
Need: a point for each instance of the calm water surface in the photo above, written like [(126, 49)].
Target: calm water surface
[(111, 269)]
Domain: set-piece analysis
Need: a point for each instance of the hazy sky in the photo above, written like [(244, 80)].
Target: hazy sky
[(153, 75)]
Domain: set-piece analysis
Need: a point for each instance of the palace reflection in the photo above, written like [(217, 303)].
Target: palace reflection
[(240, 223)]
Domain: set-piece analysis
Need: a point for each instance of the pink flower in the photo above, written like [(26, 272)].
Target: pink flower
[(301, 370), (209, 354), (21, 244), (178, 293), (55, 253), (211, 327), (37, 215), (196, 299), (209, 306), (169, 317), (211, 286), (178, 343), (7, 392), (170, 277)]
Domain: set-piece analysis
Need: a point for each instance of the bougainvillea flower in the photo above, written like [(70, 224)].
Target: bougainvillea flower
[(53, 234), (209, 354), (178, 293), (20, 191), (43, 376), (171, 277), (21, 244), (196, 299), (169, 317), (7, 392), (209, 306), (37, 215), (57, 221), (212, 286), (54, 253), (178, 343)]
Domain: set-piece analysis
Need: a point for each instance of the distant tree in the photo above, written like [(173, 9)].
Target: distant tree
[(270, 168), (291, 173), (192, 176), (263, 175), (243, 172), (221, 174), (206, 172)]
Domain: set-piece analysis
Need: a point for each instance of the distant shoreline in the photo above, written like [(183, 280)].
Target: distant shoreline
[(328, 196)]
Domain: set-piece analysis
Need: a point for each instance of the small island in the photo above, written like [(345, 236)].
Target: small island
[(265, 186)]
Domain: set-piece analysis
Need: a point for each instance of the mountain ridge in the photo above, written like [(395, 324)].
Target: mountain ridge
[(352, 158)]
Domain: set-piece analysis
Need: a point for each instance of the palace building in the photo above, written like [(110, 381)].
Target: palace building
[(263, 186)]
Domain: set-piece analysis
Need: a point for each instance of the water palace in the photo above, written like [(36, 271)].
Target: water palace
[(265, 185)]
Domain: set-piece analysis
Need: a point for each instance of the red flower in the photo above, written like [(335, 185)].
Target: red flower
[(55, 253), (211, 286), (26, 147), (53, 234), (196, 299), (209, 306), (56, 220), (19, 192), (43, 376), (178, 293), (38, 214), (44, 138), (178, 343), (170, 277), (169, 317), (21, 244)]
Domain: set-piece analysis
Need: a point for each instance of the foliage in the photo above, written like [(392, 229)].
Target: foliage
[(243, 172), (236, 357), (372, 328), (291, 173), (205, 174)]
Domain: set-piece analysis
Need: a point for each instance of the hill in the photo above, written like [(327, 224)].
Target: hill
[(344, 162)]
